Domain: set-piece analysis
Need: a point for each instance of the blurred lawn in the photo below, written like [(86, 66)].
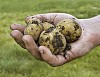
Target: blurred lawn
[(17, 62)]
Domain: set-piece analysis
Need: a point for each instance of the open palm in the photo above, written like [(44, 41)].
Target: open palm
[(87, 41)]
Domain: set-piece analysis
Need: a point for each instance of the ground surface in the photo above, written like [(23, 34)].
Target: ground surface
[(17, 62)]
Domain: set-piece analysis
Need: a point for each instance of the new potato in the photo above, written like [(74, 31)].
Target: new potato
[(70, 29), (53, 39), (34, 30), (47, 25), (32, 20)]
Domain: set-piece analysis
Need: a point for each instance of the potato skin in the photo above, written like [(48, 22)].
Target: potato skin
[(70, 29), (53, 39), (32, 20), (34, 27), (34, 30), (47, 25)]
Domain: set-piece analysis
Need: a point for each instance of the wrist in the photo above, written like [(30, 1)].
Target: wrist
[(95, 21), (93, 25)]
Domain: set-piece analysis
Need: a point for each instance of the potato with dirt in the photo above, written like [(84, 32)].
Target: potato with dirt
[(70, 29), (34, 28), (53, 39)]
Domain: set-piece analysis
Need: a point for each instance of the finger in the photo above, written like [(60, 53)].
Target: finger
[(50, 58), (17, 35), (31, 46), (52, 18), (17, 27)]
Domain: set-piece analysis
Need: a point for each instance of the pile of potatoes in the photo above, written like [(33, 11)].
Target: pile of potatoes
[(56, 37)]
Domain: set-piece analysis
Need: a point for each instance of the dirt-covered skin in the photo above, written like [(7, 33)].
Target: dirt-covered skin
[(53, 39), (34, 30), (70, 29)]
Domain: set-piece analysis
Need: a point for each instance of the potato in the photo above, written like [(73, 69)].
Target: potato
[(53, 39), (47, 25), (70, 29), (34, 30), (32, 20)]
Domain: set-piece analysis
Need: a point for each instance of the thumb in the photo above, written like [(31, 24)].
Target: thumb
[(51, 59), (45, 53)]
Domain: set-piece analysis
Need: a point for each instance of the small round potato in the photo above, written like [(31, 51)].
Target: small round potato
[(47, 25), (53, 39), (34, 30), (70, 29), (32, 20)]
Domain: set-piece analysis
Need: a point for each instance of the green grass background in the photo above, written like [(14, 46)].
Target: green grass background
[(17, 62)]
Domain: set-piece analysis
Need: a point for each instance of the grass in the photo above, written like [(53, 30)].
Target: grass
[(17, 62)]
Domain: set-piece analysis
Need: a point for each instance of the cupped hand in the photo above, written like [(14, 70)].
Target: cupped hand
[(89, 39)]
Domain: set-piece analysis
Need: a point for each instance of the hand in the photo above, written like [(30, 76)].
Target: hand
[(89, 39)]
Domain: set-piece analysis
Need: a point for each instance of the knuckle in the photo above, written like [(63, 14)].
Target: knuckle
[(15, 33)]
